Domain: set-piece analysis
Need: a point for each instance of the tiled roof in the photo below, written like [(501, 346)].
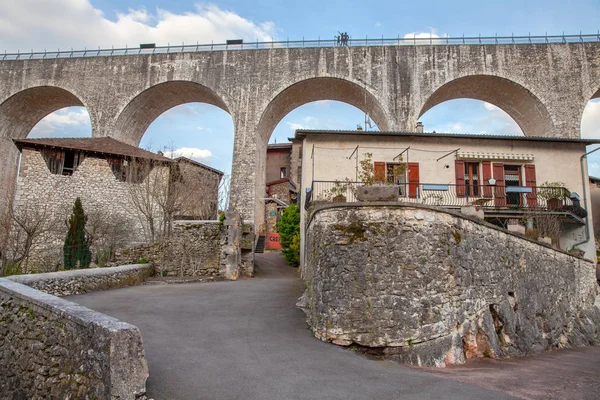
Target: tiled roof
[(277, 146), (199, 164), (303, 132), (102, 145)]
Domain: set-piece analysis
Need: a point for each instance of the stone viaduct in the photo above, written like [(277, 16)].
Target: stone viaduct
[(544, 87)]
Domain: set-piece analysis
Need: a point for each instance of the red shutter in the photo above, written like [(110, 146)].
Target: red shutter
[(379, 171), (500, 196), (459, 167), (413, 179), (486, 167), (530, 181)]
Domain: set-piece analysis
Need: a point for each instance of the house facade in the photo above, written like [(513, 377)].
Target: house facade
[(512, 179), (125, 192)]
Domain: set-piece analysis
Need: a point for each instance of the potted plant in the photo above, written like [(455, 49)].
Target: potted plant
[(375, 185), (554, 193), (338, 192)]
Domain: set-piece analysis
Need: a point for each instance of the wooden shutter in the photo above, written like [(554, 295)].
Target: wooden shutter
[(486, 168), (459, 168), (379, 167), (500, 196), (530, 181), (413, 179)]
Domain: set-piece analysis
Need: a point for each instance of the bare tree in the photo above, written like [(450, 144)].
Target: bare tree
[(30, 224), (107, 233), (224, 191)]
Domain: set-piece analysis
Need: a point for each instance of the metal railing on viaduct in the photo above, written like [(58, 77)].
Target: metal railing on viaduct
[(240, 45)]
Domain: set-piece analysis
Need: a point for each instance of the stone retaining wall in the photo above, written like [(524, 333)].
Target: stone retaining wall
[(66, 283), (53, 348), (431, 287)]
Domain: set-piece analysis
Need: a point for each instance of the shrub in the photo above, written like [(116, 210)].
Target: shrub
[(288, 229), (76, 249)]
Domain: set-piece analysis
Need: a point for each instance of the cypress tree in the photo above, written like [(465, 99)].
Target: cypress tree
[(76, 247)]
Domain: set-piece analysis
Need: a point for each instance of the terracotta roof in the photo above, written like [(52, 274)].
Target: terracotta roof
[(199, 164), (279, 146), (102, 145)]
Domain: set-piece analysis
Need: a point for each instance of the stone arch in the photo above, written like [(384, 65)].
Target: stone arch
[(148, 105), (522, 105), (18, 115), (23, 110), (321, 88)]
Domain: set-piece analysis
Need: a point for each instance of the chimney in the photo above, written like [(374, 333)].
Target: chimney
[(419, 127)]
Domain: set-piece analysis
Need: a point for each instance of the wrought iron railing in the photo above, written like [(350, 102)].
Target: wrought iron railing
[(455, 196), (354, 42)]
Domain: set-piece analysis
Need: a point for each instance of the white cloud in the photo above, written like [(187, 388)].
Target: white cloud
[(421, 35), (590, 122), (68, 122), (377, 24), (76, 23), (294, 126), (190, 152), (489, 106)]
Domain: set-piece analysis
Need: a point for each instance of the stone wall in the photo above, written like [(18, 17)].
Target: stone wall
[(193, 249), (66, 283), (199, 248), (53, 348), (432, 287)]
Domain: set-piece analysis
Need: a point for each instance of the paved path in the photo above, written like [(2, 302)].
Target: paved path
[(247, 340)]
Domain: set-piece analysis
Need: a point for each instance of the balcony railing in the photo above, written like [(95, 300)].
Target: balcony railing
[(524, 198), (353, 42)]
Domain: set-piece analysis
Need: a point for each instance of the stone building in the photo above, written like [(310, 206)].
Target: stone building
[(507, 180), (201, 185), (127, 193), (283, 175)]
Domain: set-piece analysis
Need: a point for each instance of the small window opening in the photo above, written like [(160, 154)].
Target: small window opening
[(69, 163), (282, 172)]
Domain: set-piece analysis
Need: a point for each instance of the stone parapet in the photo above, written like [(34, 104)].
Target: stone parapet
[(431, 287), (53, 348), (66, 283)]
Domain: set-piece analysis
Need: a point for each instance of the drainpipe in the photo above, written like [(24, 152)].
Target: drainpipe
[(584, 181)]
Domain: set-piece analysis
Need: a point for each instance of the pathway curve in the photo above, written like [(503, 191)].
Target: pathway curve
[(247, 340)]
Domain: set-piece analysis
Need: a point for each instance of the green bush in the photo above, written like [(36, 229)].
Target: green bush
[(76, 249), (288, 228)]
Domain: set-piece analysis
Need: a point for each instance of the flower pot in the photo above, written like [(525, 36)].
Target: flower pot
[(554, 204), (339, 199), (378, 193)]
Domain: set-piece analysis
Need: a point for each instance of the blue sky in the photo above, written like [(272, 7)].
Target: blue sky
[(206, 132)]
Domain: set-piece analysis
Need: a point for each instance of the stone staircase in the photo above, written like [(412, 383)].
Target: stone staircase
[(260, 245)]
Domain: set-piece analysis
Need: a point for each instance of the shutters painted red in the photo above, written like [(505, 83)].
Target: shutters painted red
[(459, 167), (500, 195), (530, 181), (413, 179), (486, 167), (379, 169)]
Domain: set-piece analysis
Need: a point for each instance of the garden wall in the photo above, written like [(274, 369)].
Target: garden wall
[(53, 348), (66, 283), (432, 287)]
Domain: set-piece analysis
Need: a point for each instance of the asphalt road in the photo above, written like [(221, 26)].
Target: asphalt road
[(247, 340)]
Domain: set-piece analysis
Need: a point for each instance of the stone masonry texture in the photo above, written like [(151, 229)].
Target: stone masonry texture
[(51, 348), (544, 87), (67, 283), (432, 287)]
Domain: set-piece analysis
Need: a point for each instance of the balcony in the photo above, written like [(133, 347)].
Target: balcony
[(496, 201)]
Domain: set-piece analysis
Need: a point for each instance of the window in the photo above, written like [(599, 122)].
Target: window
[(472, 179), (283, 172), (512, 177), (69, 163), (395, 175)]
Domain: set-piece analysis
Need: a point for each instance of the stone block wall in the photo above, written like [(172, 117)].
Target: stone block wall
[(432, 287), (53, 348), (193, 249), (66, 283)]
